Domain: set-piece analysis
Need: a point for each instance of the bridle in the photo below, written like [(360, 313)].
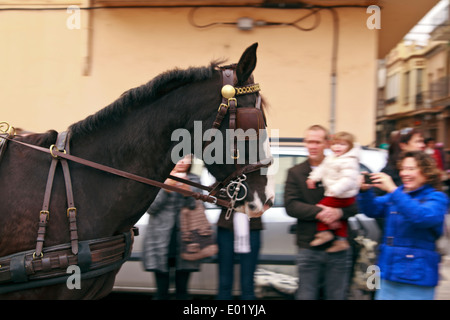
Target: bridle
[(240, 118), (234, 187)]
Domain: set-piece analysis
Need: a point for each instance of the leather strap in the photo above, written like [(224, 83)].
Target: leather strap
[(71, 209), (227, 78), (62, 145), (44, 214), (124, 174)]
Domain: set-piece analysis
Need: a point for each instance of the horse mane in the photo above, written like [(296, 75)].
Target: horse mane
[(143, 95)]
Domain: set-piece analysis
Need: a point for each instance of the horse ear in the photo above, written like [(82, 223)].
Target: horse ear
[(246, 64)]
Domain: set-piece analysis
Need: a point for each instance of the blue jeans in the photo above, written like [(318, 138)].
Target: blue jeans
[(248, 262), (390, 290), (323, 272)]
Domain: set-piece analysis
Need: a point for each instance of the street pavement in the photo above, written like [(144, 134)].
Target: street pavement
[(443, 288)]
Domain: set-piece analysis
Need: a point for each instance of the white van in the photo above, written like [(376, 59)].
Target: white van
[(276, 275)]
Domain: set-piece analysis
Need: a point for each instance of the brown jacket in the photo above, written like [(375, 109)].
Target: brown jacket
[(300, 202)]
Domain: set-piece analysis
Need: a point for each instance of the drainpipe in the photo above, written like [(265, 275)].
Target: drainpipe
[(333, 104), (87, 39), (334, 69)]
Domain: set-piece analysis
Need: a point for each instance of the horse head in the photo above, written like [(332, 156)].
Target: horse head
[(238, 144)]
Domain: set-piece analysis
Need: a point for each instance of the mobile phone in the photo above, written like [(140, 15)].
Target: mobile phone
[(367, 179)]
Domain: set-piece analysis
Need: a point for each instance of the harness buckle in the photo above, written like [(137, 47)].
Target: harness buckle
[(232, 99), (71, 209), (46, 212), (223, 105)]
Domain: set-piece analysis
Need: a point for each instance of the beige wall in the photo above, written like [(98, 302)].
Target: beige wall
[(43, 86)]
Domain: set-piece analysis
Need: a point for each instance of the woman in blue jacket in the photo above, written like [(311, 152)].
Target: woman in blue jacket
[(414, 215)]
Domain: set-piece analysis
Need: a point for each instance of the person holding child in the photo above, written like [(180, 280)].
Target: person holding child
[(323, 274), (339, 173)]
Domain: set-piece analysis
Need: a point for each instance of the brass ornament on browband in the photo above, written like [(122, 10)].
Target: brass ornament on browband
[(252, 88), (228, 91)]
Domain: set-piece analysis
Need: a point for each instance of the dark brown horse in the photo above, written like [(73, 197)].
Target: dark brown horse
[(132, 134)]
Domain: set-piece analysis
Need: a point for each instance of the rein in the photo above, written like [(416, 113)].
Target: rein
[(64, 155), (199, 196)]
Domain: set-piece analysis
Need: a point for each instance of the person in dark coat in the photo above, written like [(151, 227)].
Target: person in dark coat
[(322, 274)]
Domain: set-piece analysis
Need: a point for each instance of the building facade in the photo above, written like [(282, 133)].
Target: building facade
[(317, 60), (414, 89)]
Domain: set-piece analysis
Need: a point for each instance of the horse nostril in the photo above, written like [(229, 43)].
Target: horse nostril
[(252, 206)]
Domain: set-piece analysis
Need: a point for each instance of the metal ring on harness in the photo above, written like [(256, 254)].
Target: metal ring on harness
[(37, 256), (235, 187), (6, 128), (51, 151)]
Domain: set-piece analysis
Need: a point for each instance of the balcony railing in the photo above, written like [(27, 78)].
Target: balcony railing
[(439, 89)]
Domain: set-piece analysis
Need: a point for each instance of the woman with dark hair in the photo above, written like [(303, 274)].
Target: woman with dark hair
[(406, 139), (414, 216)]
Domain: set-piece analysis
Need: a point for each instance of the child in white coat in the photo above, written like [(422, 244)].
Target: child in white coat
[(339, 173)]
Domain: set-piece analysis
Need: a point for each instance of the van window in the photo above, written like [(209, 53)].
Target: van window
[(285, 163)]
